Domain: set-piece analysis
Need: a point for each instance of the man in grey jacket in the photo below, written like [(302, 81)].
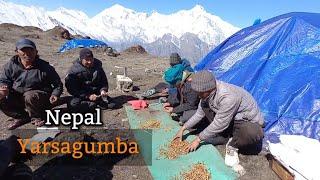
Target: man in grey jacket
[(233, 113), (28, 86)]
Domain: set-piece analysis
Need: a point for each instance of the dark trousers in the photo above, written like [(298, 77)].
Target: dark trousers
[(84, 105), (9, 152), (8, 149), (31, 104), (246, 136)]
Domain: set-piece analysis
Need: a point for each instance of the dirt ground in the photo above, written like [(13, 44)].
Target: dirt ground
[(144, 69)]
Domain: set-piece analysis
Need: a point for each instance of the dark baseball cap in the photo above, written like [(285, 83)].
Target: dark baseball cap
[(85, 52), (23, 43)]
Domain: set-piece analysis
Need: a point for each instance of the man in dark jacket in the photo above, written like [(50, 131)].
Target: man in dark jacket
[(28, 86), (185, 102), (87, 82)]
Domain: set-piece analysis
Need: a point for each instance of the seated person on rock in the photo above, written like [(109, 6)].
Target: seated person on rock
[(163, 88), (87, 82), (185, 102), (28, 86)]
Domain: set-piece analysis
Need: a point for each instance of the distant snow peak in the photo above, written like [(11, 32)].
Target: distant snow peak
[(119, 24), (198, 8), (119, 8)]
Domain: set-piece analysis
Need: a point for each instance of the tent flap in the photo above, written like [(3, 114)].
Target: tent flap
[(278, 62)]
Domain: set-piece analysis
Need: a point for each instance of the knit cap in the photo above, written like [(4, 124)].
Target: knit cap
[(175, 59), (203, 81), (85, 52)]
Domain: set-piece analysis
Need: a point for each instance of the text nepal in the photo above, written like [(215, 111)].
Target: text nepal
[(73, 119)]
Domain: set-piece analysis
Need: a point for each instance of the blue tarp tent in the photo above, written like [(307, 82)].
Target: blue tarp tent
[(81, 43), (278, 62)]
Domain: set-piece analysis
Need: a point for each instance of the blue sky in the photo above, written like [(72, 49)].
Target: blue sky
[(240, 13)]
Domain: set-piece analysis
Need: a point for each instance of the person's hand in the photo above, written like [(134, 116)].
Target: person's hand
[(3, 87), (166, 104), (53, 99), (168, 109), (4, 91), (193, 145), (93, 97), (179, 134), (104, 93), (164, 91)]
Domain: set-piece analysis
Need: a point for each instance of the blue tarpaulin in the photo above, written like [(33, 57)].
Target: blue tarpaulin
[(278, 62), (81, 43)]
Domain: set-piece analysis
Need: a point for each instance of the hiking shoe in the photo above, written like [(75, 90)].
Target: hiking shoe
[(37, 122), (148, 93), (104, 106), (106, 103), (111, 105), (232, 158)]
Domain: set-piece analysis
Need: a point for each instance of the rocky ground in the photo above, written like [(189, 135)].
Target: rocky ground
[(144, 69)]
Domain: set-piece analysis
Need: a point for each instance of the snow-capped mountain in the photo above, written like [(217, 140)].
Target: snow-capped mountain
[(24, 16), (189, 45), (75, 21), (123, 27)]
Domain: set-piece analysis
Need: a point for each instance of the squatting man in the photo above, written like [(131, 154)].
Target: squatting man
[(233, 114), (28, 86)]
